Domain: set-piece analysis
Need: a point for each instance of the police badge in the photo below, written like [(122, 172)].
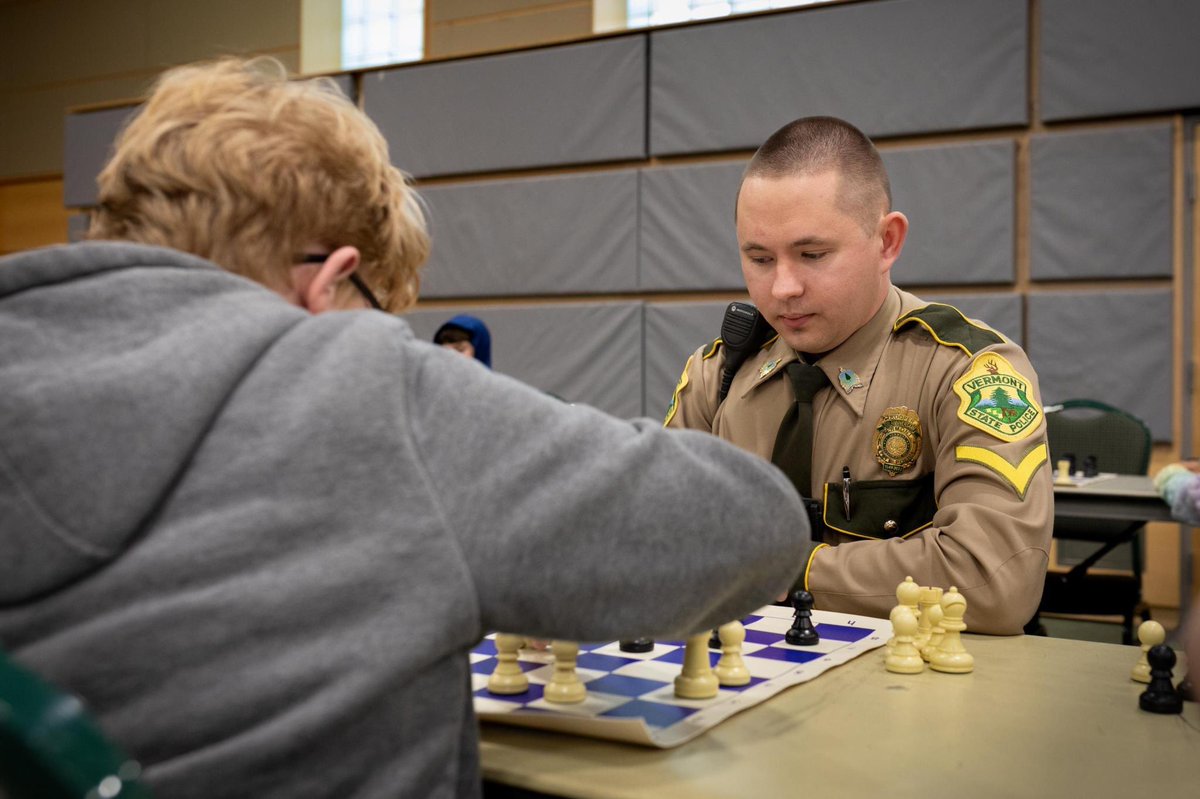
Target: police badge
[(897, 439)]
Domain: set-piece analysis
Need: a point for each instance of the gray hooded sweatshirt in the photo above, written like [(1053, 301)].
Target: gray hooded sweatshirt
[(258, 543)]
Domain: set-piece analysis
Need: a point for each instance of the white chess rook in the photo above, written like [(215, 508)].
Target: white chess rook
[(508, 677), (936, 633), (697, 680), (565, 687)]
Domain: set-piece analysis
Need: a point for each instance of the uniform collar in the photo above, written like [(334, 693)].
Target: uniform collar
[(858, 356)]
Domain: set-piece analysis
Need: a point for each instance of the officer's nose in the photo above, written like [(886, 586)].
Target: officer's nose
[(789, 281)]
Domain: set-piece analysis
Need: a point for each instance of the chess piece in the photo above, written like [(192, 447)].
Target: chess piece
[(731, 668), (1090, 467), (802, 633), (904, 658), (908, 594), (936, 632), (928, 598), (1150, 633), (565, 687), (1062, 477), (1160, 696), (714, 640), (951, 656), (1186, 690), (507, 677), (697, 680), (637, 645)]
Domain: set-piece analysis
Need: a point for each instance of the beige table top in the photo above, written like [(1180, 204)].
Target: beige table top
[(1037, 717)]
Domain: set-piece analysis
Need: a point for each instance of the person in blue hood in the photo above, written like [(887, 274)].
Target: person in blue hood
[(468, 335)]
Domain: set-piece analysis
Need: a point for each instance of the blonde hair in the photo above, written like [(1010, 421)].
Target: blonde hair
[(231, 161)]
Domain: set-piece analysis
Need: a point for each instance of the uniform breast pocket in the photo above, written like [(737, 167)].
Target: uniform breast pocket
[(881, 508)]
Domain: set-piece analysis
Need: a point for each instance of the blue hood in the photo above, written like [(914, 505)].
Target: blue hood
[(481, 339)]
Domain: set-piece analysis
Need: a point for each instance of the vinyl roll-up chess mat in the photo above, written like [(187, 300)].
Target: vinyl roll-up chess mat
[(631, 696)]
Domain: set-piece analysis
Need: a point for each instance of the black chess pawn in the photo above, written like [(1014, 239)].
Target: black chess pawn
[(637, 645), (714, 641), (803, 633), (1160, 696)]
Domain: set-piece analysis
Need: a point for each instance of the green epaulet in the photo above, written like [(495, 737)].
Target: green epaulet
[(950, 328), (712, 349)]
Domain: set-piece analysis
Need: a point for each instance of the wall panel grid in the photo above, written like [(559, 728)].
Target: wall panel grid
[(581, 196)]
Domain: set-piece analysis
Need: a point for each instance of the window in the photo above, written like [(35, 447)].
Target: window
[(376, 32), (648, 13)]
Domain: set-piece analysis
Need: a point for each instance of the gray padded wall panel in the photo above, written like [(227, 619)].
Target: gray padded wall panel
[(901, 66), (1114, 347), (1001, 312), (587, 352), (77, 227), (1101, 204), (1109, 57), (673, 332), (562, 105), (345, 84), (559, 235), (960, 206), (688, 241), (88, 144)]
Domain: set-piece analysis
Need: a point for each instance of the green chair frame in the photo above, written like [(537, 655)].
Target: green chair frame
[(50, 748)]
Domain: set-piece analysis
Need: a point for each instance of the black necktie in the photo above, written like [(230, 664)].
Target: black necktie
[(793, 442)]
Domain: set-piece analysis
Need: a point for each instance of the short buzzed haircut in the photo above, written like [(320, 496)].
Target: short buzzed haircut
[(812, 145)]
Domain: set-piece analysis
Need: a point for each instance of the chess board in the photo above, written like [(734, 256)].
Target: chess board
[(631, 696)]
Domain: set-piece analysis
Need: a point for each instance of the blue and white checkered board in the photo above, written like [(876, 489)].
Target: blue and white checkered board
[(631, 696)]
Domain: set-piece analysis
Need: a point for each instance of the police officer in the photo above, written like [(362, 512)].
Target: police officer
[(928, 448)]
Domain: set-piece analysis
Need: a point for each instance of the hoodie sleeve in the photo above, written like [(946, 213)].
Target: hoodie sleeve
[(578, 525)]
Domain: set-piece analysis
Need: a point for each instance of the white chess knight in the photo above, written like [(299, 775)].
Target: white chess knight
[(565, 687)]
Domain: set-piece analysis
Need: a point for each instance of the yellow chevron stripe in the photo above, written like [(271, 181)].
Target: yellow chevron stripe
[(679, 387), (1017, 476)]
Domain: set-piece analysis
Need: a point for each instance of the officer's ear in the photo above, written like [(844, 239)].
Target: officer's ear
[(893, 233)]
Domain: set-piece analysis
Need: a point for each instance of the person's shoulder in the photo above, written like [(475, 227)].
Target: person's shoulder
[(947, 327)]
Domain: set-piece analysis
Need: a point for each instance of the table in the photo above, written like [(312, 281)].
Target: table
[(1133, 498), (1037, 717)]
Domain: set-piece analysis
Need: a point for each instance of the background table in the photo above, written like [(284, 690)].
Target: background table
[(1130, 497), (1037, 717)]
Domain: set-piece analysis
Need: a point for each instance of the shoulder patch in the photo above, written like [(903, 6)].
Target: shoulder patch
[(950, 328), (712, 349), (1017, 475), (997, 399)]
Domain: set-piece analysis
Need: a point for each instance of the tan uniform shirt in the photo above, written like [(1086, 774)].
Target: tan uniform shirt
[(970, 503)]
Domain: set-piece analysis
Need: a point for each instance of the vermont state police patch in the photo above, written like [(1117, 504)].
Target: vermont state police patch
[(997, 399)]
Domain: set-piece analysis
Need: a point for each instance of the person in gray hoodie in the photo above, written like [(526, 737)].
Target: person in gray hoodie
[(259, 539)]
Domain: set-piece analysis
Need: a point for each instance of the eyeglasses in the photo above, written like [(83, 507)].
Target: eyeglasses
[(355, 280)]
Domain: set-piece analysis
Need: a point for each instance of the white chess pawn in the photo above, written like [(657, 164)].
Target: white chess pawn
[(731, 668), (1062, 477), (1150, 633), (508, 677), (930, 597), (936, 633), (565, 687), (951, 656), (904, 657), (697, 680), (908, 594)]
